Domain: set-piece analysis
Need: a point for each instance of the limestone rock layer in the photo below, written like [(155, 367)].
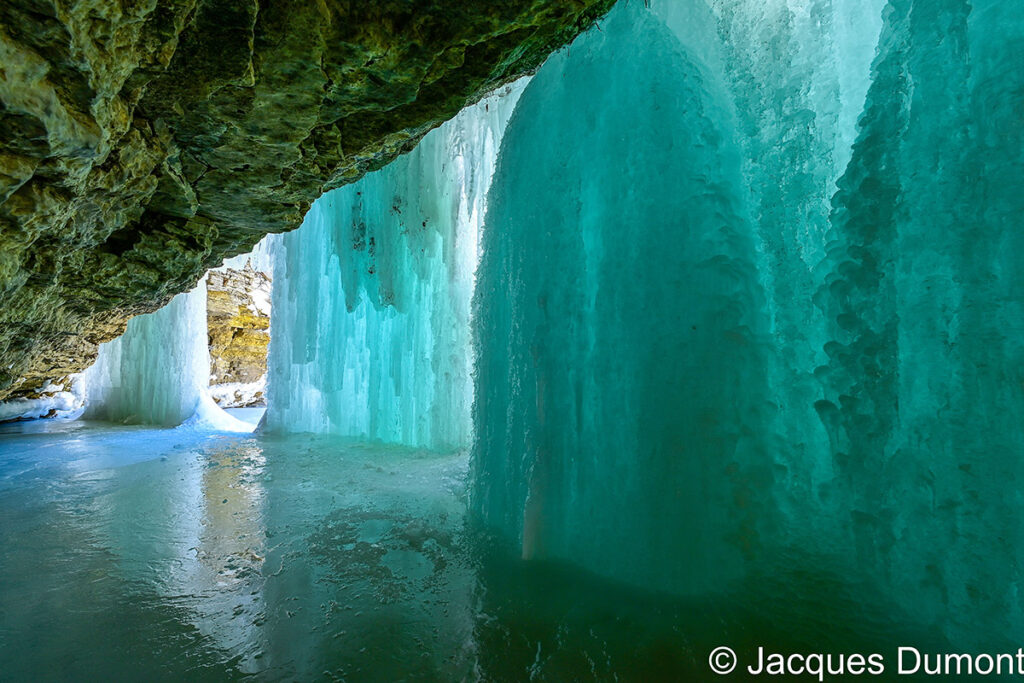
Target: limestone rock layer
[(238, 315), (141, 143)]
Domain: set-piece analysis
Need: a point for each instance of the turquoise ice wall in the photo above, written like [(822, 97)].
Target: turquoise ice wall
[(158, 371), (750, 301), (621, 326), (370, 332), (923, 294)]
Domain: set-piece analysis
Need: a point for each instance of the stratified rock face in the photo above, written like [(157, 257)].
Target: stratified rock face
[(140, 143), (238, 320)]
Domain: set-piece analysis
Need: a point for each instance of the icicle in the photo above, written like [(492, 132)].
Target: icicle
[(158, 371), (370, 333)]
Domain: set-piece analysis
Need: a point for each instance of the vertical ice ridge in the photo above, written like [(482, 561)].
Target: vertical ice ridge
[(157, 372), (794, 74), (619, 319), (370, 337), (923, 384)]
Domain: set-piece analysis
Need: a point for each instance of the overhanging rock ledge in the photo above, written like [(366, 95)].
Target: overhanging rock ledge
[(143, 142)]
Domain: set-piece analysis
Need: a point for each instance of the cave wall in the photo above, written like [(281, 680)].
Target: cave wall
[(141, 143)]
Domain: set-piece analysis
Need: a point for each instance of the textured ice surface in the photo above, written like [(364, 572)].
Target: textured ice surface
[(141, 554), (158, 371), (371, 300), (750, 300)]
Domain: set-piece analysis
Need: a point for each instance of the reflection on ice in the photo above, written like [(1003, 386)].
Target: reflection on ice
[(137, 553), (216, 554)]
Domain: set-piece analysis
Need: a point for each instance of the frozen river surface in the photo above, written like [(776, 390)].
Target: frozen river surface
[(132, 553)]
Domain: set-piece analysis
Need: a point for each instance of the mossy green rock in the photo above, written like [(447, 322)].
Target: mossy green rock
[(142, 142)]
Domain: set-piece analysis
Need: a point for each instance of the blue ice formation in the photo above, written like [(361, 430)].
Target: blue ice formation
[(750, 300), (620, 322), (923, 294), (370, 336), (158, 370)]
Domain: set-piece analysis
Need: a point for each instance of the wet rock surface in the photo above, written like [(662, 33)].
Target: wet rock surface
[(141, 143)]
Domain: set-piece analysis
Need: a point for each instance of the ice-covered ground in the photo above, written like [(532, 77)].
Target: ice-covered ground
[(54, 400), (134, 553)]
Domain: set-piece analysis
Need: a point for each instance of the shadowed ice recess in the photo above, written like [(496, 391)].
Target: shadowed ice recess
[(709, 333)]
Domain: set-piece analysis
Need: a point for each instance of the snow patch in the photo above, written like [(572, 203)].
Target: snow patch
[(239, 394)]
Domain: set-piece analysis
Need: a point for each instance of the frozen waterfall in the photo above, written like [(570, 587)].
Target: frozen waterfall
[(620, 321), (370, 336), (158, 371), (750, 299)]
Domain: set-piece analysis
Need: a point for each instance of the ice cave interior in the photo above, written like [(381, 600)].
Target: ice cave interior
[(710, 332)]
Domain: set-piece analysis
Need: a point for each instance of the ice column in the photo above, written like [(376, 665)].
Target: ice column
[(795, 74), (923, 384), (620, 321), (370, 336), (158, 371)]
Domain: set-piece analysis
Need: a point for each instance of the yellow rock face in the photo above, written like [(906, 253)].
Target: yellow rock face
[(238, 316)]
